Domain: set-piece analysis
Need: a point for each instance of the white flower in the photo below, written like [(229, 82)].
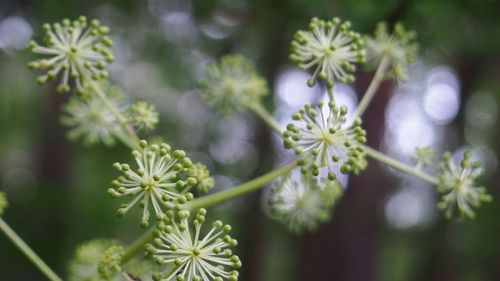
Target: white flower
[(330, 48), (325, 137), (159, 178), (144, 116), (399, 47), (424, 156), (74, 47), (90, 120), (232, 83), (303, 203), (193, 256), (458, 186)]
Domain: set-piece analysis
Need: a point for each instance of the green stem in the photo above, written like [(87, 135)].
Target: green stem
[(111, 107), (138, 245), (400, 166), (267, 117), (330, 94), (211, 200), (34, 258), (239, 190), (372, 88)]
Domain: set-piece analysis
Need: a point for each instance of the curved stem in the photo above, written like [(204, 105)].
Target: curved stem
[(138, 245), (389, 161), (111, 107), (372, 88), (267, 117), (34, 258), (211, 200), (239, 190)]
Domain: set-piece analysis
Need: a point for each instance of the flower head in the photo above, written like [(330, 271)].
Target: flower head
[(75, 49), (192, 255), (304, 203), (91, 120), (144, 116), (202, 176), (232, 83), (323, 136), (94, 255), (458, 186), (399, 47), (109, 263), (330, 48), (160, 177), (3, 202), (424, 156)]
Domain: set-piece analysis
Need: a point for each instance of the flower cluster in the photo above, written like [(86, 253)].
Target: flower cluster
[(232, 83), (191, 255), (144, 116), (160, 177), (424, 156), (76, 49), (458, 186), (329, 47), (304, 203), (3, 202), (90, 256), (202, 176), (91, 120), (109, 264), (399, 48), (323, 135)]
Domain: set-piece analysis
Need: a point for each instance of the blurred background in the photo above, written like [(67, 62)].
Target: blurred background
[(386, 227)]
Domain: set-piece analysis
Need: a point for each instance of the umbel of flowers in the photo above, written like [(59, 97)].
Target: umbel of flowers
[(457, 184), (191, 254), (330, 48), (324, 135), (159, 178), (75, 49)]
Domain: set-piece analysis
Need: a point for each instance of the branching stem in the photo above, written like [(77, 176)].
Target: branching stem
[(389, 161), (373, 87)]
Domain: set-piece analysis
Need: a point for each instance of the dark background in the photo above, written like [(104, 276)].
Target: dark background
[(386, 227)]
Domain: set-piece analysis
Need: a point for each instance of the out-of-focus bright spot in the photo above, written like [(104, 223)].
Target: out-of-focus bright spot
[(191, 109), (292, 90), (141, 78), (227, 19), (481, 111), (413, 132), (15, 33), (408, 207), (20, 185), (445, 75), (161, 7), (481, 154), (344, 95), (441, 102), (214, 32), (406, 125), (179, 27)]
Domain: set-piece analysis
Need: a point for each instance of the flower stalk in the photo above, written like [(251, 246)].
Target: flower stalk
[(373, 87), (399, 165), (32, 256)]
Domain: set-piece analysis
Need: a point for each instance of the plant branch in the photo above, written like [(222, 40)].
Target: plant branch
[(111, 107), (373, 87), (255, 184), (389, 161), (267, 117), (32, 256), (138, 245)]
